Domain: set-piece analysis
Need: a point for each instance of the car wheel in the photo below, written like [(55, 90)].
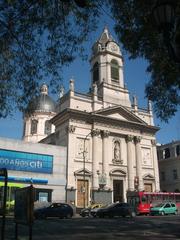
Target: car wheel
[(42, 216), (162, 213), (101, 215), (176, 212), (111, 215), (69, 215), (133, 214)]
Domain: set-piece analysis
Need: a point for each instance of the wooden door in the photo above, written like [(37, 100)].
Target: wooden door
[(82, 193), (148, 187), (118, 190)]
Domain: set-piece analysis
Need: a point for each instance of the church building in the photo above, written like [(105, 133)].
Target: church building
[(110, 141)]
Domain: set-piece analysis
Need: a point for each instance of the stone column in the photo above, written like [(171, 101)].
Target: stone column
[(156, 168), (95, 158), (130, 167), (139, 162), (105, 157)]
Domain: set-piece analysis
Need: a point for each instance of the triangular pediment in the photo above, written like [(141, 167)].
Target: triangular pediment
[(148, 177), (120, 113), (82, 172)]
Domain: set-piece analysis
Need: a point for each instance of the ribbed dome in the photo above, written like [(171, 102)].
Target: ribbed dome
[(42, 103)]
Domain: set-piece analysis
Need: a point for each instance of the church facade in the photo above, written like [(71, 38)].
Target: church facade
[(110, 141)]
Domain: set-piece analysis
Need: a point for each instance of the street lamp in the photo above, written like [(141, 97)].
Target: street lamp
[(84, 173), (164, 13)]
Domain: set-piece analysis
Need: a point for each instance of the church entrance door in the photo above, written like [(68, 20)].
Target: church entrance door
[(82, 193), (148, 187), (118, 190)]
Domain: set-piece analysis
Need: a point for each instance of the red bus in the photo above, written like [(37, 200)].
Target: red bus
[(143, 201)]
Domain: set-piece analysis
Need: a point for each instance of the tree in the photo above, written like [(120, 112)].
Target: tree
[(137, 32), (37, 38)]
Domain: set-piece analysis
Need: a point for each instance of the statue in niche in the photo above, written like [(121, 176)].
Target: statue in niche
[(117, 153), (116, 150)]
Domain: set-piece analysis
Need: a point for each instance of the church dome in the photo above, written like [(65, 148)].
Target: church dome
[(43, 102)]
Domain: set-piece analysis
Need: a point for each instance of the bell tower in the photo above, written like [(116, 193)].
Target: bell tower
[(107, 70)]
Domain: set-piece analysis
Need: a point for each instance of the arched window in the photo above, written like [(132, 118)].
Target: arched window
[(47, 127), (114, 71), (34, 124), (96, 72), (166, 153)]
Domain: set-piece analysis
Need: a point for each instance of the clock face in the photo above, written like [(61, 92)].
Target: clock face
[(114, 47)]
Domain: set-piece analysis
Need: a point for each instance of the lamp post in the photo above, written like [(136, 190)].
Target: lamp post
[(84, 168), (164, 13)]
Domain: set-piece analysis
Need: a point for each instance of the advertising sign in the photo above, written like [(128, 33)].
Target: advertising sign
[(24, 205), (136, 182), (24, 161)]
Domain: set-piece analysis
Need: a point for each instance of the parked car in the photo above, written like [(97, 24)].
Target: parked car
[(93, 212), (116, 209), (164, 208), (86, 211), (61, 210)]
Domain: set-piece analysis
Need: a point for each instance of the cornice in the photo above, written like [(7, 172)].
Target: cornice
[(89, 117), (106, 52)]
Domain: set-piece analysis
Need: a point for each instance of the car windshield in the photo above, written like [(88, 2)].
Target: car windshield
[(111, 205)]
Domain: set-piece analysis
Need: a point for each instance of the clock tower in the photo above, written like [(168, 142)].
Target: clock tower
[(107, 70)]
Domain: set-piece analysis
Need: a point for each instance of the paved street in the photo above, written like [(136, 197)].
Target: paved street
[(143, 227)]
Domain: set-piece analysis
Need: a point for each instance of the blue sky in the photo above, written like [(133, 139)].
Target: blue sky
[(135, 77)]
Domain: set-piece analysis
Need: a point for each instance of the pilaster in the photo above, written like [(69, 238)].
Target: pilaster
[(105, 157), (156, 168), (95, 158), (137, 141), (130, 167)]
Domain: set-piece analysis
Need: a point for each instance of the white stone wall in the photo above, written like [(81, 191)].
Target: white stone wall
[(41, 118), (168, 165), (76, 160)]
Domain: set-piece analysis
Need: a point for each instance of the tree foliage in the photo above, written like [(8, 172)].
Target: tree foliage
[(37, 38), (140, 37)]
